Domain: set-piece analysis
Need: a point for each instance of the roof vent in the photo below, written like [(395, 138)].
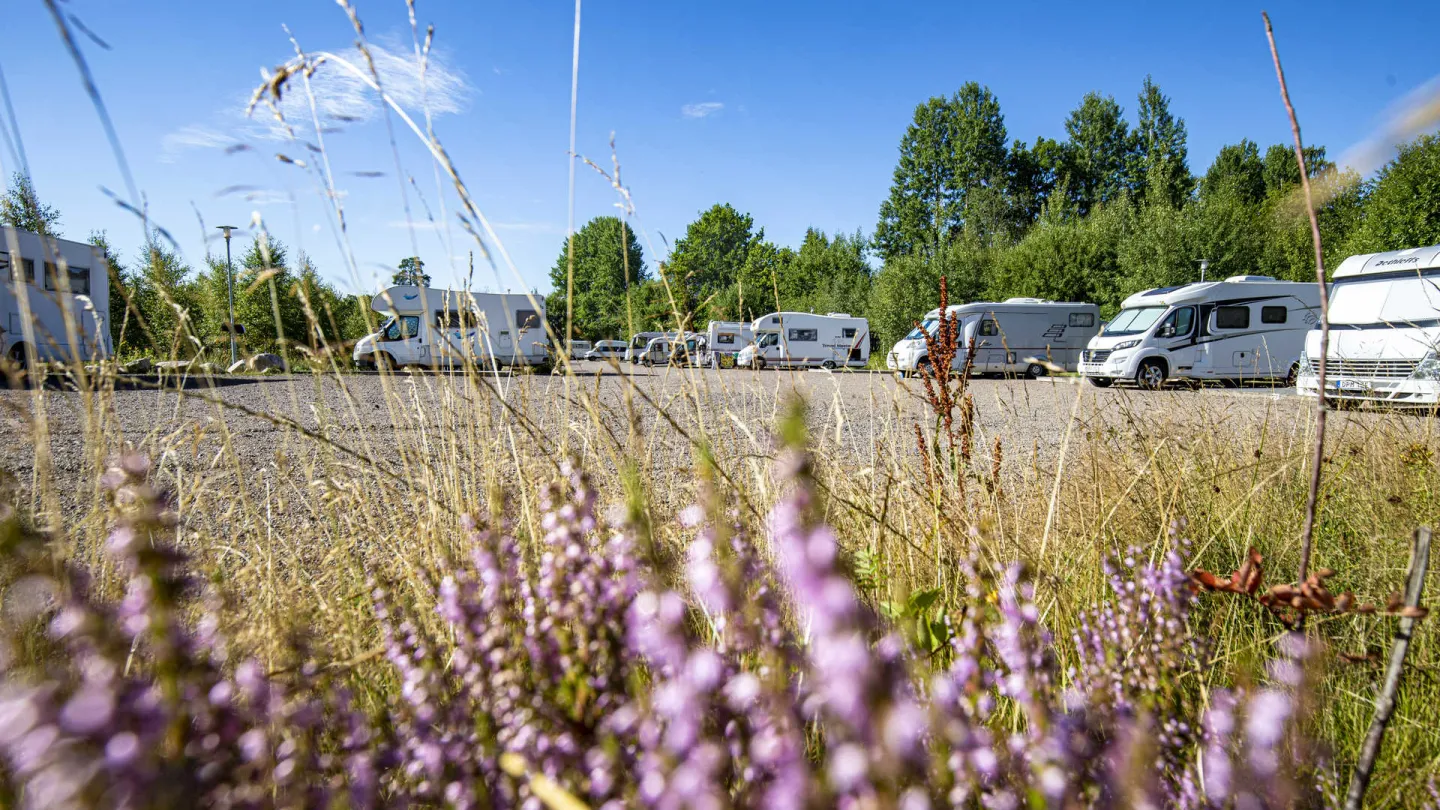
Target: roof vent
[(1251, 278), (1026, 301), (837, 314)]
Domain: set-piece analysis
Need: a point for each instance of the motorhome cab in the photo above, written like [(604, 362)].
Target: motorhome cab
[(1384, 331), (1016, 336), (430, 327), (723, 342), (58, 281), (1242, 328), (804, 339)]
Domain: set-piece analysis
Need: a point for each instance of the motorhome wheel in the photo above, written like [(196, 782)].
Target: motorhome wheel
[(1151, 375), (1034, 372), (759, 363), (828, 364), (1293, 376), (1100, 382)]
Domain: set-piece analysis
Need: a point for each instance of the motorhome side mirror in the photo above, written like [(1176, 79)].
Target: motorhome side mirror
[(1167, 331)]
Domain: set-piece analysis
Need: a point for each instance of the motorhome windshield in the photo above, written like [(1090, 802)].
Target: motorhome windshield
[(640, 341), (1363, 301), (928, 327), (770, 339), (1134, 321)]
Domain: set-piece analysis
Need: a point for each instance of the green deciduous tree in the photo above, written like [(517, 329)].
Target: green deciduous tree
[(21, 208), (1280, 171), (1237, 171), (707, 260), (1402, 204), (951, 174), (411, 273), (1099, 152), (608, 265), (1160, 170)]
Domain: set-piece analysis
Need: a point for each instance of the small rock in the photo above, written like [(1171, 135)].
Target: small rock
[(173, 365), (236, 367), (208, 369), (141, 366), (261, 362)]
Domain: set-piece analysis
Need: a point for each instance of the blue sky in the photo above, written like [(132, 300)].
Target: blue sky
[(789, 111)]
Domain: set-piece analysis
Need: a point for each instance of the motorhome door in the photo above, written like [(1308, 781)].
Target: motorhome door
[(404, 340), (1177, 335), (990, 351)]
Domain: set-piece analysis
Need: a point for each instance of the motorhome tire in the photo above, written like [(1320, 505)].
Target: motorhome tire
[(1293, 376), (385, 361), (1034, 372), (17, 356), (1100, 382), (758, 364), (1151, 375), (923, 368), (827, 364)]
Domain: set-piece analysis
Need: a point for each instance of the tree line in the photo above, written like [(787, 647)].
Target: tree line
[(1111, 210)]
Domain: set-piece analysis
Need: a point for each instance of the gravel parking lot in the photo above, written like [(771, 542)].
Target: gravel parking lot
[(854, 412)]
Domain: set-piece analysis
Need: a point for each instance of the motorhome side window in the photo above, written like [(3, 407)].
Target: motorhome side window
[(1082, 319), (6, 265), (988, 328), (1178, 324), (79, 280), (52, 276), (804, 335), (1232, 317), (455, 320), (848, 334), (724, 338), (1273, 314), (526, 319)]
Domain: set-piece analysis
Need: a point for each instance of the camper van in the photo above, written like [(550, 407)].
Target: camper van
[(804, 339), (1242, 328), (640, 341), (57, 281), (723, 342), (1384, 331), (606, 349), (1016, 336), (668, 351), (578, 349), (433, 328)]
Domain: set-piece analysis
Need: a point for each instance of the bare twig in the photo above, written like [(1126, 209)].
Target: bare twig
[(1308, 533), (1385, 704)]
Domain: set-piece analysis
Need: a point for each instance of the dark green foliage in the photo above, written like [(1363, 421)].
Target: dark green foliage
[(1237, 170), (411, 273), (707, 261), (606, 276), (21, 208), (1402, 204), (1099, 152), (1159, 165)]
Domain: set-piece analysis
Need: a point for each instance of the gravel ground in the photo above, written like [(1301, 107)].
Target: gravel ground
[(853, 412)]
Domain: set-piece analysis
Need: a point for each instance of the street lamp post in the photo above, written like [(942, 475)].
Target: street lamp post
[(230, 288)]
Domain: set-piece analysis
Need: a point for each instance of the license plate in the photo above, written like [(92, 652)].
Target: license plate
[(1351, 385)]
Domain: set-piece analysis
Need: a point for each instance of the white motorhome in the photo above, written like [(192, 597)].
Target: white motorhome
[(606, 349), (804, 339), (429, 327), (1242, 328), (665, 351), (65, 286), (1384, 331), (640, 341), (724, 341), (1015, 336)]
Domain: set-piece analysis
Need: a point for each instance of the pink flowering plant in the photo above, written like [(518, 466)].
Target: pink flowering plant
[(585, 674)]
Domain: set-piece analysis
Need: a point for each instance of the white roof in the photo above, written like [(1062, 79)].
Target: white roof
[(1010, 305), (1409, 259), (1235, 287), (410, 299)]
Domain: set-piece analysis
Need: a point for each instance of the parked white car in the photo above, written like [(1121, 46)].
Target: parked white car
[(1016, 336), (1384, 331), (1242, 328), (432, 328)]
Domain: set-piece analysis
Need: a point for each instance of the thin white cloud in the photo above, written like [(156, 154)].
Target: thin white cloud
[(340, 99), (418, 224), (703, 109), (265, 197), (529, 227)]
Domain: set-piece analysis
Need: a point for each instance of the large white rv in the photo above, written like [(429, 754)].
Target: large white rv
[(804, 339), (65, 287), (1015, 336), (1384, 331), (428, 327), (1242, 328), (724, 340), (640, 341)]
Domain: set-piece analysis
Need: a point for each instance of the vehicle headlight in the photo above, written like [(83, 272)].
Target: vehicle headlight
[(1306, 370), (1125, 344), (1428, 368)]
